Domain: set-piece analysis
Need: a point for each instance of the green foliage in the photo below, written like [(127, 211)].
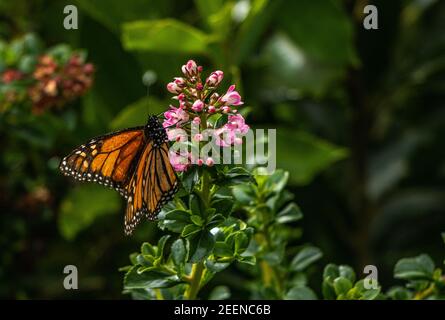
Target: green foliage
[(77, 211), (208, 239), (359, 122)]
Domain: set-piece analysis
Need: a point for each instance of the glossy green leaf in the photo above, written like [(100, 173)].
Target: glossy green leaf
[(150, 279), (220, 293), (342, 286), (305, 257), (167, 35), (300, 293), (179, 252), (416, 268), (290, 213), (190, 229), (202, 246)]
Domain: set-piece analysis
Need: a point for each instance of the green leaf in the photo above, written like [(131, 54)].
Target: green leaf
[(244, 194), (176, 220), (276, 182), (251, 260), (252, 28), (328, 290), (220, 293), (161, 246), (223, 206), (235, 176), (111, 14), (216, 266), (77, 211), (274, 258), (145, 260), (150, 279), (197, 220), (330, 272), (300, 293), (179, 252), (195, 205), (215, 221), (190, 178), (308, 156), (305, 257), (399, 293), (147, 249), (371, 294), (222, 249), (190, 229), (202, 245), (241, 242), (290, 213), (166, 35), (134, 114), (347, 272), (416, 268), (330, 39), (342, 286)]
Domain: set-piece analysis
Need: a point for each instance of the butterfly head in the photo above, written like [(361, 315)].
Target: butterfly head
[(155, 131)]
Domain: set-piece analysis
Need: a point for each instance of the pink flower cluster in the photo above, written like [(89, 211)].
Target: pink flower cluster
[(198, 103)]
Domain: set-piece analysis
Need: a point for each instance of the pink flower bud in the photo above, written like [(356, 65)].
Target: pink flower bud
[(180, 81), (209, 162), (225, 109), (196, 120), (190, 68), (200, 162), (198, 137), (173, 88), (200, 69), (215, 78), (197, 106), (211, 109), (232, 97), (181, 97), (199, 86)]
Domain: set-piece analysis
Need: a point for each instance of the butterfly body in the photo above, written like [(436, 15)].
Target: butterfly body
[(134, 162)]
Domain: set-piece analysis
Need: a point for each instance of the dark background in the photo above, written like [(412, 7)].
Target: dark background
[(359, 116)]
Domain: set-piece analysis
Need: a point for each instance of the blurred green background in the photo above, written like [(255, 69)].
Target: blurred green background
[(359, 114)]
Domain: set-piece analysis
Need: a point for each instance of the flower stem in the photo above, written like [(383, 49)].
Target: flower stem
[(158, 294), (195, 280)]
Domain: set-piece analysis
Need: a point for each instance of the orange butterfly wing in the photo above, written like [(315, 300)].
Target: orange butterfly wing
[(108, 159), (135, 165), (153, 184)]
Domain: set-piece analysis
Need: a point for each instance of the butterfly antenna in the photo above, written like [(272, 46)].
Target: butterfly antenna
[(148, 79)]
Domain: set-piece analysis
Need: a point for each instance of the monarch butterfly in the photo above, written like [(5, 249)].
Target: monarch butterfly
[(133, 161)]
